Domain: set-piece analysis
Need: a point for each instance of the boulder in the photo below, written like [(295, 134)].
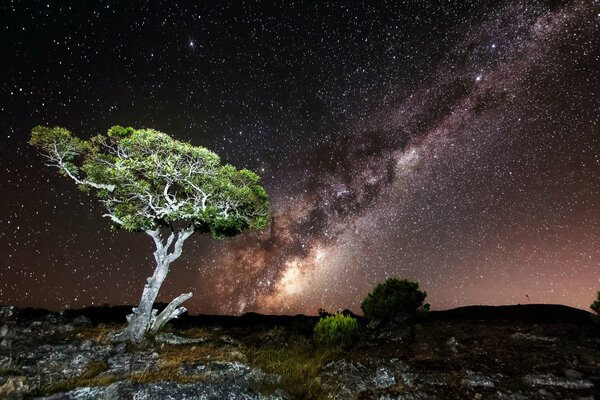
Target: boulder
[(165, 390)]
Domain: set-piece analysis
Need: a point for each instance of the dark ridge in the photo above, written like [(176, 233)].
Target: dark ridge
[(533, 313)]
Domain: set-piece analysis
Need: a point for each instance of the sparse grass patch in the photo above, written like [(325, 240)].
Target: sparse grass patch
[(93, 369), (298, 364), (196, 333), (9, 370), (96, 333), (176, 355), (89, 377)]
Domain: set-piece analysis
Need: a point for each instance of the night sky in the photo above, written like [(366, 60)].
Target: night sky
[(452, 143)]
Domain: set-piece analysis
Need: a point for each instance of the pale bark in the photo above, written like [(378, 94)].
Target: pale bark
[(144, 318), (171, 311)]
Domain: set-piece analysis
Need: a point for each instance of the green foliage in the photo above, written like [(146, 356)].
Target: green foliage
[(147, 179), (336, 330), (596, 308), (394, 299)]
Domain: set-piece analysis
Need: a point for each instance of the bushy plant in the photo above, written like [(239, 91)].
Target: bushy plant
[(596, 307), (336, 330), (394, 299)]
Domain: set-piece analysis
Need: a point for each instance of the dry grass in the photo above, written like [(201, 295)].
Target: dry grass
[(298, 364), (292, 357), (172, 355), (196, 333), (162, 375), (9, 370), (97, 333), (89, 377)]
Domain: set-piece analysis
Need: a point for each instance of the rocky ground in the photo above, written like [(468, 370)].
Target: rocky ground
[(58, 356)]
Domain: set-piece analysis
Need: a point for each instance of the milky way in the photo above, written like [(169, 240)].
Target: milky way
[(454, 145)]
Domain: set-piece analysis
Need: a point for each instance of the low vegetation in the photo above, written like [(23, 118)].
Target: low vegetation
[(298, 364), (394, 300), (336, 330), (274, 350)]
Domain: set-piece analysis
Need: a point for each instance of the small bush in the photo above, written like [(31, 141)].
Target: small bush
[(336, 330), (596, 307), (394, 299)]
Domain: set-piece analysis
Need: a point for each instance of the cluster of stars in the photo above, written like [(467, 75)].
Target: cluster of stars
[(452, 143)]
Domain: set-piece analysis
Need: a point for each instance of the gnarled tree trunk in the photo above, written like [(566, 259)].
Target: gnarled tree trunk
[(145, 319)]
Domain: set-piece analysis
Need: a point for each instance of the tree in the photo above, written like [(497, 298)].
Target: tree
[(149, 182), (394, 299), (596, 308)]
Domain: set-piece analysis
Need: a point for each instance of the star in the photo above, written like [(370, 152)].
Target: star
[(445, 155)]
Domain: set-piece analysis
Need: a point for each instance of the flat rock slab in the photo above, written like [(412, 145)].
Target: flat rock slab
[(231, 372), (165, 391)]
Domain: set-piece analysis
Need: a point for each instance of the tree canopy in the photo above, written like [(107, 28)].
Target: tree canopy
[(147, 179)]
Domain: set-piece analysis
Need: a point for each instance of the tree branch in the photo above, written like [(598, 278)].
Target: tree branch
[(171, 311), (114, 218), (58, 158), (155, 235), (181, 238)]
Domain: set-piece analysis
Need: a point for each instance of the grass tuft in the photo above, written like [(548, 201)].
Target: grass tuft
[(89, 377), (298, 364), (9, 371)]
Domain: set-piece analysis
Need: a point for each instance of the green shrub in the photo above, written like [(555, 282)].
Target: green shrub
[(596, 307), (336, 330), (394, 299)]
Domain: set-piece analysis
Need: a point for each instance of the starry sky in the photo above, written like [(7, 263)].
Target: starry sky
[(452, 143)]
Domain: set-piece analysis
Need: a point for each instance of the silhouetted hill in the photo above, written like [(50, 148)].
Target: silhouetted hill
[(533, 313)]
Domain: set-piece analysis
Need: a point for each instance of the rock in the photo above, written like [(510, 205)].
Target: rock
[(546, 395), (87, 344), (229, 340), (573, 374), (228, 372), (452, 345), (170, 338), (508, 395), (14, 387), (83, 393), (165, 390), (393, 333), (40, 354), (8, 312), (119, 348), (5, 362), (551, 380), (409, 378), (384, 378), (534, 338), (406, 396), (132, 363), (347, 379), (433, 379), (81, 320), (476, 380)]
